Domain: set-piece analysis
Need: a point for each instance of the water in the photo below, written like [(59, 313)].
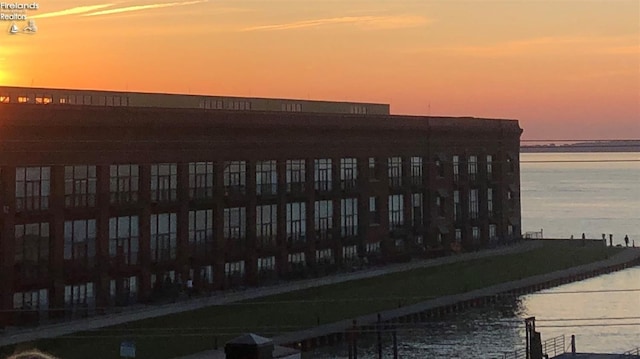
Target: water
[(563, 198), (571, 198), (490, 332)]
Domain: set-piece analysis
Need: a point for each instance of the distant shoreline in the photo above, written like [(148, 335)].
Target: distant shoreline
[(603, 146)]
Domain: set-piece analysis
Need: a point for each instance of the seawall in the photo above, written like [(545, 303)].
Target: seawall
[(335, 332)]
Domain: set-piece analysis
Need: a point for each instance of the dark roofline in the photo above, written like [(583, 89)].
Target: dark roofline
[(76, 115)]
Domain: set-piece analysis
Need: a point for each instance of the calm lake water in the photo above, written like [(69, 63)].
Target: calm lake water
[(592, 193), (563, 194)]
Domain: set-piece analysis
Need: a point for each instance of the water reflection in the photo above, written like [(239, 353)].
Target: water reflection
[(490, 332)]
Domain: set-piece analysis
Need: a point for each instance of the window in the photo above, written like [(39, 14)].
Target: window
[(5, 98), (266, 178), (214, 104), (473, 203), (205, 274), (266, 264), (295, 176), (373, 168), (439, 167), (80, 240), (416, 171), (296, 258), (493, 233), (472, 167), (79, 295), (489, 167), (349, 217), (350, 252), (323, 219), (164, 182), (416, 209), (360, 110), (235, 223), (79, 186), (201, 180), (511, 164), (510, 230), (475, 234), (322, 174), (324, 256), (348, 172), (32, 188), (266, 224), (457, 208), (440, 205), (32, 243), (373, 247), (456, 168), (296, 222), (291, 107), (124, 290), (458, 238), (201, 235), (235, 177), (396, 211), (490, 202), (23, 99), (163, 237), (113, 101), (123, 239), (124, 184), (33, 300), (239, 105), (374, 212), (234, 269), (43, 99), (395, 171)]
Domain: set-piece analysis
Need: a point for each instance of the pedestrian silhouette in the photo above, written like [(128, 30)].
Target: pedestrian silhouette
[(626, 240)]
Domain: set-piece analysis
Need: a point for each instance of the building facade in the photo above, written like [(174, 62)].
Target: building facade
[(115, 198)]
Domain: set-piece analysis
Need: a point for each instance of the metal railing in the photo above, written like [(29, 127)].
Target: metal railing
[(554, 346), (534, 235), (632, 352)]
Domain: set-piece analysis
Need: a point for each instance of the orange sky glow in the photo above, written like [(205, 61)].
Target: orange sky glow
[(567, 69)]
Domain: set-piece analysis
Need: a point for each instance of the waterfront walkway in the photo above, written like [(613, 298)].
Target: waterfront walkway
[(10, 337), (286, 339)]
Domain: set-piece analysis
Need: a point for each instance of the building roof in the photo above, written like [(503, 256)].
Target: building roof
[(50, 96), (98, 110)]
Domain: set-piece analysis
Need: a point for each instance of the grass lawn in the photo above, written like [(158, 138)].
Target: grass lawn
[(191, 332)]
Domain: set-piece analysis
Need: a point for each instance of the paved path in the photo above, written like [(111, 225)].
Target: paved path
[(341, 326), (146, 312)]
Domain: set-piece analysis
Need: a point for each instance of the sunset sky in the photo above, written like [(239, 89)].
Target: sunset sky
[(565, 69)]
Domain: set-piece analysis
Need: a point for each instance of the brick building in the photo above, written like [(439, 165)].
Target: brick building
[(110, 198)]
